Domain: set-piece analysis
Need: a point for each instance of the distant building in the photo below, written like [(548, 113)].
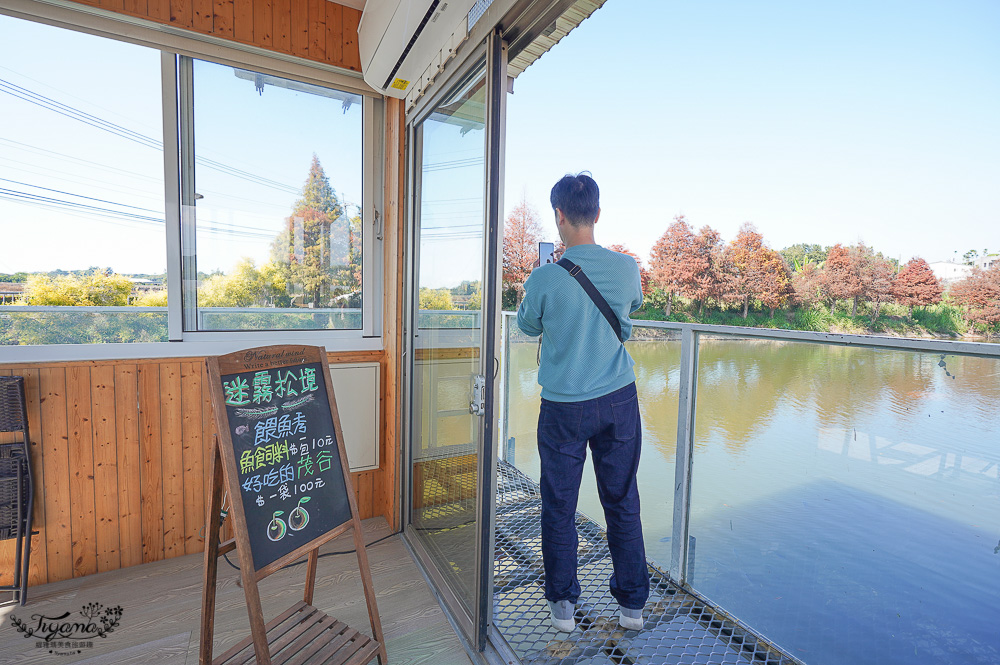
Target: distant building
[(141, 285), (949, 271), (10, 292), (988, 261)]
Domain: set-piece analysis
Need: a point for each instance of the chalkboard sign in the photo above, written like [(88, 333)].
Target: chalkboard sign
[(282, 441)]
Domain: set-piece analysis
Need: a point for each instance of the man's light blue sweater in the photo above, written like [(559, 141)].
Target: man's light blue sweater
[(581, 356)]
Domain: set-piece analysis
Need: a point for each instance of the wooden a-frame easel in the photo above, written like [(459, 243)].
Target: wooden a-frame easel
[(302, 633)]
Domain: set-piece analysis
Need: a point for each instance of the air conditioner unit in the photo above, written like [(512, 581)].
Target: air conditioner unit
[(400, 39)]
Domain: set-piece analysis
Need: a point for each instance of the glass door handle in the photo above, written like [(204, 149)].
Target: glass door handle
[(478, 405)]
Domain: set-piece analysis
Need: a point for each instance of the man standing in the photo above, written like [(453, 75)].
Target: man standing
[(582, 305)]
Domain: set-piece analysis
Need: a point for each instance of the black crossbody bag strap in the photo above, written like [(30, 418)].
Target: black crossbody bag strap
[(595, 295)]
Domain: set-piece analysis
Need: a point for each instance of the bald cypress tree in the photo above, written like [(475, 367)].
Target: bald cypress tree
[(917, 285), (320, 247)]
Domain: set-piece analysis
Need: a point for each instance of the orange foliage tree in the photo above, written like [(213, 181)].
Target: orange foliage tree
[(842, 276), (807, 285), (756, 272), (522, 231), (706, 279), (878, 277), (669, 265), (916, 285), (979, 294)]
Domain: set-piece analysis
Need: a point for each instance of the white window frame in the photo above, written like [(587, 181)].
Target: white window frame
[(172, 42)]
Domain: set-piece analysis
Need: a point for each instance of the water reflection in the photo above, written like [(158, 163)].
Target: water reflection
[(836, 491)]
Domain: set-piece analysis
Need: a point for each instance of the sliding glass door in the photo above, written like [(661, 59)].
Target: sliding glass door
[(452, 318)]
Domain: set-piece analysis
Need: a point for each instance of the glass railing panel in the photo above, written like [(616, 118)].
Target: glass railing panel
[(845, 501), (278, 318), (656, 353), (21, 325)]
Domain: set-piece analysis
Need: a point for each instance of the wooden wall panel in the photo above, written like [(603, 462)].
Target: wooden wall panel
[(112, 5), (150, 464), (181, 12), (317, 30), (37, 567), (300, 28), (129, 464), (172, 459), (192, 431), (243, 21), (158, 10), (203, 16), (363, 489), (352, 56), (334, 32), (282, 38), (135, 7), (392, 302), (263, 24), (80, 450), (55, 459), (222, 18), (120, 449), (106, 511)]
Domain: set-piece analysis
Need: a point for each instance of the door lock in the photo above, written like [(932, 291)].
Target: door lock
[(478, 405)]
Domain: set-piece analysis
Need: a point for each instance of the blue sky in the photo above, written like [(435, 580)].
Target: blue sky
[(44, 148), (272, 135), (818, 122), (825, 123)]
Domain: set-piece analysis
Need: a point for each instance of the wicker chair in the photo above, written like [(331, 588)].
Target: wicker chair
[(16, 486)]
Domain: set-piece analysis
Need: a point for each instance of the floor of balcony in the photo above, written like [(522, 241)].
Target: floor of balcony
[(161, 605), (680, 627)]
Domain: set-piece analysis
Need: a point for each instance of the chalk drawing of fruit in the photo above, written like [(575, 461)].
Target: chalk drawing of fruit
[(298, 518), (276, 528)]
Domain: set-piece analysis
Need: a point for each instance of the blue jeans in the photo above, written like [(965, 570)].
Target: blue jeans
[(611, 425)]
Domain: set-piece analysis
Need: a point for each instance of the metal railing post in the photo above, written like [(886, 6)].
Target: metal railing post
[(679, 542)]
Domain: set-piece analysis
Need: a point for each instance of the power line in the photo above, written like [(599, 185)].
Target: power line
[(121, 131), (81, 196), (77, 179), (451, 164), (13, 193), (48, 102), (119, 187), (80, 116), (27, 147), (51, 203), (73, 113), (68, 94), (79, 214)]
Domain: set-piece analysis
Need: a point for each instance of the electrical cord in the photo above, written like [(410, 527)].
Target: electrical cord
[(325, 554)]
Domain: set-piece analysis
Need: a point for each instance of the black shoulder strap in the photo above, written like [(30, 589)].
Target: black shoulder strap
[(595, 295)]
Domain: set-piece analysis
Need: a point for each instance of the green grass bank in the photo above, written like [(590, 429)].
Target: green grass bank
[(938, 321)]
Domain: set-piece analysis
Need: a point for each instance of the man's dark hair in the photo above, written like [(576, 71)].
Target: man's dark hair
[(578, 198)]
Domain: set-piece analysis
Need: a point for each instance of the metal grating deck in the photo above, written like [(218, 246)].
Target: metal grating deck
[(681, 627)]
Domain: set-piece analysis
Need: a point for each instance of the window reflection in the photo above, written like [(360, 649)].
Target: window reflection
[(277, 237)]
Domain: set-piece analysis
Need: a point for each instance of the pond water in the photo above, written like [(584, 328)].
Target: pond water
[(845, 501)]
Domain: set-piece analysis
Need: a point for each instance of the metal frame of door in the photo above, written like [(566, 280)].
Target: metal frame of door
[(475, 627)]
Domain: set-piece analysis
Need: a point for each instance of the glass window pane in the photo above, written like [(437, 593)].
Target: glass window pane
[(83, 251), (849, 491), (451, 144), (277, 198)]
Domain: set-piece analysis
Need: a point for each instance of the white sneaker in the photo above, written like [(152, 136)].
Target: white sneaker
[(630, 619), (561, 614)]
